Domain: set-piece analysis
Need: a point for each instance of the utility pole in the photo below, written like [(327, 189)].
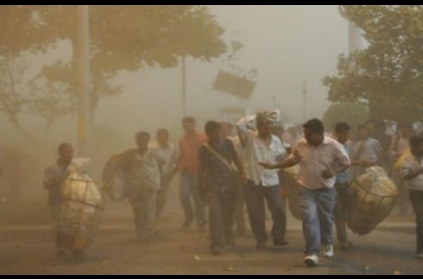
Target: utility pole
[(184, 109), (81, 51), (304, 100)]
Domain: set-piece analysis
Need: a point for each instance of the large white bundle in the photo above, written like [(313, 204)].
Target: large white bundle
[(80, 208), (292, 191), (373, 196), (116, 178)]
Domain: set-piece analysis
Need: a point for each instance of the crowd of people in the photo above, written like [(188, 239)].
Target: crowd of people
[(231, 165)]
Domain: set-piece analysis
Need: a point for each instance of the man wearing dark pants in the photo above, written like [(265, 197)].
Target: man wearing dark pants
[(410, 166), (168, 153), (342, 131), (321, 159), (262, 146), (189, 145), (218, 185), (54, 176)]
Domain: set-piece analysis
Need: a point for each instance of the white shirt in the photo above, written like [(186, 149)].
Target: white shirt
[(408, 164), (239, 149), (257, 151), (329, 155), (367, 150), (169, 155)]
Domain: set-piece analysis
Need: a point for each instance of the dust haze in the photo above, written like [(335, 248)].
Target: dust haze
[(291, 47)]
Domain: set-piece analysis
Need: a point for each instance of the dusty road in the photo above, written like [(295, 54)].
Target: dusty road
[(26, 247)]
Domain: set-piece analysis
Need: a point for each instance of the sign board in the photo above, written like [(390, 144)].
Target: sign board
[(233, 84)]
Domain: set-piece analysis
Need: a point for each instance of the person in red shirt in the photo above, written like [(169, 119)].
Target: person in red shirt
[(189, 144)]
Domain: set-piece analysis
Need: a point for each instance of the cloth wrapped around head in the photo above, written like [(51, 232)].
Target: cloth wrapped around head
[(266, 116)]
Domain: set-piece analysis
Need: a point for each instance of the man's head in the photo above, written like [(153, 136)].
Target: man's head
[(313, 131), (342, 130), (188, 123), (416, 145), (213, 131), (142, 139), (162, 137), (226, 129), (406, 129), (371, 126), (264, 125), (363, 132), (65, 152)]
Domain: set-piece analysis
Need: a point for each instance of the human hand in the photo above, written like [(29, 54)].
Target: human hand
[(327, 174), (243, 178), (267, 165)]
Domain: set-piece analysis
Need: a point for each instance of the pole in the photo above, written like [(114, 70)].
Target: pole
[(184, 111), (82, 73), (304, 100)]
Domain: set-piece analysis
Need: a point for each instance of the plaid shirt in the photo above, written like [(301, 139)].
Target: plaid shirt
[(217, 175)]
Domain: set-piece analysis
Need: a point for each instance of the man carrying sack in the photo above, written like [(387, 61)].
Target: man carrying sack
[(218, 184)]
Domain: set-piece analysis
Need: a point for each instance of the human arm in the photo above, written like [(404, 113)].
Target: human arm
[(413, 173), (290, 162), (201, 173), (342, 162), (242, 128)]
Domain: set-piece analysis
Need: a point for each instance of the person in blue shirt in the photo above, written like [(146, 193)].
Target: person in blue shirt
[(342, 132)]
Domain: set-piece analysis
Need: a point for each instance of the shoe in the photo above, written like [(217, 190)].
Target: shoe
[(202, 225), (217, 250), (419, 255), (328, 251), (186, 225), (261, 245), (153, 231), (344, 245), (311, 260), (61, 253), (230, 242), (240, 232), (280, 242), (143, 237)]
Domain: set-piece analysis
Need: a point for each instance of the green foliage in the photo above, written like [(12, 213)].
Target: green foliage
[(389, 73), (353, 113), (132, 37), (121, 38)]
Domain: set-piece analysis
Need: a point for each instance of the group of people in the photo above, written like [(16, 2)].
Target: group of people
[(220, 172)]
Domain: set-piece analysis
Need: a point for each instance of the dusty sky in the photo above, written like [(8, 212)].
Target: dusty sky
[(287, 44)]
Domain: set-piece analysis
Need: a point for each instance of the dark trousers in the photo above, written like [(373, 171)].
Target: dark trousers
[(255, 196), (239, 210), (340, 212), (188, 190), (161, 197), (221, 216), (416, 198)]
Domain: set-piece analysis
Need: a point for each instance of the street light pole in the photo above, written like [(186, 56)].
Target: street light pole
[(304, 100), (81, 51), (183, 88)]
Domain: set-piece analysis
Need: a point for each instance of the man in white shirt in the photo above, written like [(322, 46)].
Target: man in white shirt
[(240, 201), (411, 169), (262, 146), (321, 159), (169, 155), (366, 152)]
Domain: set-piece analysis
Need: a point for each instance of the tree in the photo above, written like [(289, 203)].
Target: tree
[(22, 31), (353, 113), (132, 37), (388, 75), (121, 38)]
